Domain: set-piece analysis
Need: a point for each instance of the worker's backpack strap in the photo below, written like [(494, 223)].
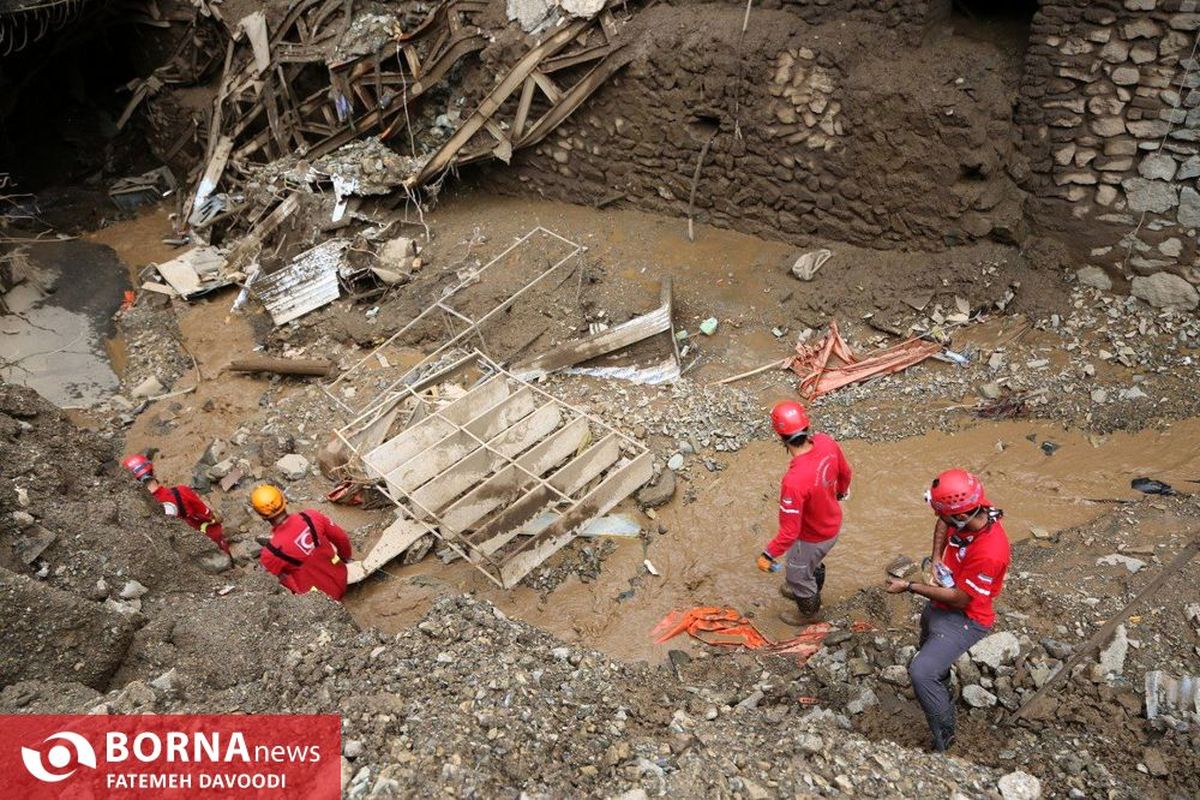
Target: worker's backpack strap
[(312, 529), (180, 511), (282, 556)]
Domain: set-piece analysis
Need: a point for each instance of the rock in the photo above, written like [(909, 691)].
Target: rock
[(352, 748), (582, 8), (1165, 290), (214, 563), (1038, 532), (1094, 277), (529, 13), (675, 462), (1189, 168), (1020, 786), (1112, 658), (978, 697), (1126, 76), (1147, 195), (1189, 208), (1057, 650), (999, 648), (866, 699), (1116, 559), (22, 519), (1099, 396), (659, 493), (1158, 167), (220, 469), (896, 675), (1172, 247), (1155, 763), (293, 466), (991, 391), (132, 590), (166, 682), (151, 387)]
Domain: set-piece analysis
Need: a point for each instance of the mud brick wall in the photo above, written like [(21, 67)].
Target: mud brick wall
[(823, 141), (1110, 116)]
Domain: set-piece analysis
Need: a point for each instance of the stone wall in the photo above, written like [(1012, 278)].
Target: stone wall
[(836, 132), (1110, 115)]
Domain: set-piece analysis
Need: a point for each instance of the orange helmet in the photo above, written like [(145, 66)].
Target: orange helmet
[(267, 500)]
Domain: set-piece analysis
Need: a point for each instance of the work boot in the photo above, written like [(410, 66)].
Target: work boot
[(943, 739), (806, 611), (785, 591)]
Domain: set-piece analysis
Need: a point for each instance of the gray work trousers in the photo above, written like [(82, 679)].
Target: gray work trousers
[(945, 635), (803, 558)]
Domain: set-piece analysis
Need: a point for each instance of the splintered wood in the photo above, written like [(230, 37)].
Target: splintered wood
[(504, 474)]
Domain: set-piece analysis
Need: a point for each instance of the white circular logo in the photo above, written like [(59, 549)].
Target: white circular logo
[(76, 751)]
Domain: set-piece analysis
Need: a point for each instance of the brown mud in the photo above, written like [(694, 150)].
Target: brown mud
[(706, 555)]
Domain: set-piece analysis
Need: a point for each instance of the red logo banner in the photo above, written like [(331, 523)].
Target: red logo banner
[(170, 757)]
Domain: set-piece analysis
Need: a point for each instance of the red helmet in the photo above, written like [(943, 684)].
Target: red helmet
[(956, 491), (139, 465), (789, 418)]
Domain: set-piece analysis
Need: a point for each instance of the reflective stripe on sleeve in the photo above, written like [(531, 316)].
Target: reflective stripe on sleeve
[(974, 586)]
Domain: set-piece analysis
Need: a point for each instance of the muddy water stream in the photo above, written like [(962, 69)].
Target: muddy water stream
[(707, 556)]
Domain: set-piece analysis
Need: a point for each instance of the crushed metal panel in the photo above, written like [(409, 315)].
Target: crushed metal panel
[(308, 283), (195, 272)]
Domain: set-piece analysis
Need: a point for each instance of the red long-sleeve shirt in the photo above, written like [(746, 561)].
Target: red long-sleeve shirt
[(195, 512), (308, 552), (808, 496), (979, 565)]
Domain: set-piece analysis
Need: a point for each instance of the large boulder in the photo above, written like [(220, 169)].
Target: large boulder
[(996, 650), (1165, 290)]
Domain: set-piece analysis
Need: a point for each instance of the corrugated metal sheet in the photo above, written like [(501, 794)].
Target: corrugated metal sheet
[(308, 283)]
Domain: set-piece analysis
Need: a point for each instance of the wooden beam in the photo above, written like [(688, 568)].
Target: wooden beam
[(619, 336), (319, 367), (252, 242), (548, 87), (478, 400), (491, 104), (1106, 630), (587, 465), (523, 107), (613, 489)]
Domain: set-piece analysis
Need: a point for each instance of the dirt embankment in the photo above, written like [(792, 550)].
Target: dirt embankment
[(471, 702)]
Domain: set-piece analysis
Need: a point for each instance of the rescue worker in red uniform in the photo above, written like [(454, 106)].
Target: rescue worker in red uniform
[(307, 551), (970, 559), (179, 501), (810, 514)]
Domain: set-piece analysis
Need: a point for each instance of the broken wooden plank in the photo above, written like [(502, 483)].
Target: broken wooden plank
[(210, 179), (250, 244), (613, 489), (255, 26), (195, 272), (395, 539), (491, 104), (627, 333), (318, 367)]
